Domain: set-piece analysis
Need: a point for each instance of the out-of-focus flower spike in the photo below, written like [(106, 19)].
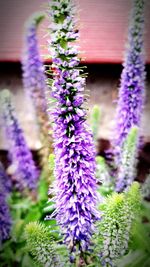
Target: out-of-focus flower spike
[(132, 85), (34, 81), (127, 167), (25, 171), (5, 218), (120, 214), (41, 245)]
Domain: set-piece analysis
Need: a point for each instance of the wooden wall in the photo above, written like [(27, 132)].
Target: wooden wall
[(102, 23), (102, 84)]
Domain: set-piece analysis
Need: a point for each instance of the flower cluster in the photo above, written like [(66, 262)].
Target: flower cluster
[(25, 171), (127, 166), (74, 149), (132, 87), (34, 81), (119, 213), (5, 219)]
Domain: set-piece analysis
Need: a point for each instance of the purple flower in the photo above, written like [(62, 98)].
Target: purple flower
[(34, 81), (132, 85), (34, 78), (25, 171), (5, 219), (5, 180), (73, 142)]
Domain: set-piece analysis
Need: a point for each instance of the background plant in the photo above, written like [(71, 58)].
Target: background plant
[(24, 171), (34, 82), (131, 95), (77, 232)]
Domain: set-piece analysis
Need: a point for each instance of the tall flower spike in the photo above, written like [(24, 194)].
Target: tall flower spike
[(5, 218), (132, 85), (127, 167), (120, 213), (74, 149), (34, 81), (26, 174)]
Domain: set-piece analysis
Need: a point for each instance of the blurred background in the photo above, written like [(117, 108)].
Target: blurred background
[(103, 31)]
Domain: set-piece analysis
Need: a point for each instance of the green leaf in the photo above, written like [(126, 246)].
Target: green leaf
[(63, 43), (27, 261), (33, 215), (141, 237), (132, 259), (49, 208), (42, 189), (17, 229)]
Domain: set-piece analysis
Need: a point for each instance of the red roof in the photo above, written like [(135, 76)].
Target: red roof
[(103, 28)]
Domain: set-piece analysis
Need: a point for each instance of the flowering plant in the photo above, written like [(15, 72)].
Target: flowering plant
[(94, 218)]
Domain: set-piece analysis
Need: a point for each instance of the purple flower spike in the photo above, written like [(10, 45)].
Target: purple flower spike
[(5, 219), (25, 171), (75, 186), (34, 79), (132, 87)]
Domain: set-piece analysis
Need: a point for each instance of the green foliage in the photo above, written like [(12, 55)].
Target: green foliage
[(36, 18), (127, 165), (25, 207), (95, 120), (103, 176), (134, 198), (119, 213), (39, 17), (139, 248), (23, 210), (51, 162), (42, 189), (130, 142), (41, 245), (146, 187)]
